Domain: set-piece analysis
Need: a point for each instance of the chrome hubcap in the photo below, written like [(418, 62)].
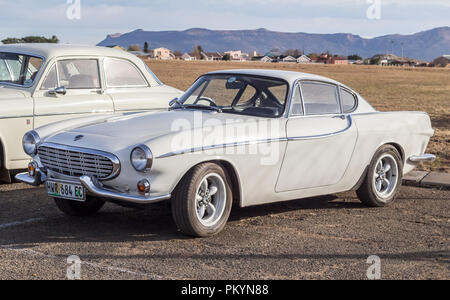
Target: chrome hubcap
[(210, 199), (385, 179)]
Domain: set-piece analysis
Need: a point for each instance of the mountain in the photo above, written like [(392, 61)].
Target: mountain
[(425, 45)]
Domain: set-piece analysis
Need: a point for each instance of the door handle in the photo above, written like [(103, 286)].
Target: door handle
[(342, 117)]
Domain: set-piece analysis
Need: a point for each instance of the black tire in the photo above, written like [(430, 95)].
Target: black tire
[(183, 202), (79, 209), (367, 192)]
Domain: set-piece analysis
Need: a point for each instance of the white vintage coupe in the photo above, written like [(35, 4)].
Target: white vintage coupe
[(45, 83), (243, 136)]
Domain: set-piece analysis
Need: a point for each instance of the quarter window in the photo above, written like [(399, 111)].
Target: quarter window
[(79, 74), (348, 101), (320, 98), (121, 73), (51, 81), (297, 106)]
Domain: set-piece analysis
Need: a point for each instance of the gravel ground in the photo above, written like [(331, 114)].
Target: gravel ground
[(321, 238)]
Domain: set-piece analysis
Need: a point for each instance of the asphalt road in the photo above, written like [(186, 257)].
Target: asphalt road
[(322, 238)]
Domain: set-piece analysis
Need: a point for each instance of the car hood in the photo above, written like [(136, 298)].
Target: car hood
[(121, 132), (12, 93)]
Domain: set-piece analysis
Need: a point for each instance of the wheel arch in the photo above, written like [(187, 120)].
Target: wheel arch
[(231, 171), (400, 150)]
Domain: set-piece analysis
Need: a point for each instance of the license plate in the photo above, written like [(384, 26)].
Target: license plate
[(68, 191)]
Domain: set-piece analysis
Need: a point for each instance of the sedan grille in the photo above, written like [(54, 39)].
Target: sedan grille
[(77, 162)]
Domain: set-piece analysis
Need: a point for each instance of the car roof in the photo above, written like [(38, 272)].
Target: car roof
[(56, 50), (288, 76)]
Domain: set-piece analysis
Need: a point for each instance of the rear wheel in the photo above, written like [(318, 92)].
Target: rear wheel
[(202, 201), (79, 209), (384, 178)]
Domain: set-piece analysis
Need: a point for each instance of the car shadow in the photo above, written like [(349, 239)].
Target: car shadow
[(117, 224)]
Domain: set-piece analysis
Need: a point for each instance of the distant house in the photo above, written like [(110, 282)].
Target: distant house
[(188, 57), (212, 56), (162, 53), (235, 54), (337, 60), (266, 59), (303, 59), (443, 61), (288, 59)]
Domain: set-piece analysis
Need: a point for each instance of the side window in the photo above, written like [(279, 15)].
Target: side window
[(348, 101), (297, 106), (320, 98), (51, 81), (120, 73), (79, 73)]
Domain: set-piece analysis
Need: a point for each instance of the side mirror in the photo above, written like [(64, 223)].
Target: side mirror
[(58, 91), (174, 102)]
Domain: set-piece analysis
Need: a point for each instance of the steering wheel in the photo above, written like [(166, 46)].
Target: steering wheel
[(207, 100)]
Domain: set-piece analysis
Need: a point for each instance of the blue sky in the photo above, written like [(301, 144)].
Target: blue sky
[(100, 17)]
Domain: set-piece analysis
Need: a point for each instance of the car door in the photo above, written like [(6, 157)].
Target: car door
[(71, 88), (130, 90), (321, 138)]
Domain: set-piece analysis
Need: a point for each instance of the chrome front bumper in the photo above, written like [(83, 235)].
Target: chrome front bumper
[(422, 158), (96, 190)]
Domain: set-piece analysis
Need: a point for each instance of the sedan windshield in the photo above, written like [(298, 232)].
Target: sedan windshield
[(237, 94), (18, 69)]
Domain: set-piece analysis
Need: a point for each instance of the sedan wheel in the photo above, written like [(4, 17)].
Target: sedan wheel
[(211, 199), (202, 201), (383, 180)]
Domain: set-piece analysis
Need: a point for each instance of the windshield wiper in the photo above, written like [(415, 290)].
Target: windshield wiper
[(193, 106)]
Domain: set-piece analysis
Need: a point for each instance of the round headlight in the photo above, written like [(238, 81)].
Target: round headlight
[(141, 158), (30, 141)]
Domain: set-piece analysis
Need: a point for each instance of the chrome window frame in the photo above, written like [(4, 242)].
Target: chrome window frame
[(44, 60), (99, 70)]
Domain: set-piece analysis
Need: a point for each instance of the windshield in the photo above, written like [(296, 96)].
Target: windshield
[(18, 69), (238, 94)]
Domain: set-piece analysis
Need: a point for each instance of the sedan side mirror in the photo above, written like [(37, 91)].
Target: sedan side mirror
[(58, 91), (175, 101)]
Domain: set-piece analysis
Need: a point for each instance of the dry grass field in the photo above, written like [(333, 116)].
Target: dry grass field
[(386, 88)]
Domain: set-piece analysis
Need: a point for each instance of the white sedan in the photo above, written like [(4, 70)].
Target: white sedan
[(44, 83), (246, 137)]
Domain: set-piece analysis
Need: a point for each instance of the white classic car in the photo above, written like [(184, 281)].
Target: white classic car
[(45, 83), (243, 136)]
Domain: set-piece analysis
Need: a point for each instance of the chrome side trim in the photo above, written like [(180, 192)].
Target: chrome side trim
[(212, 147), (115, 161), (320, 136), (422, 158), (93, 189), (205, 148)]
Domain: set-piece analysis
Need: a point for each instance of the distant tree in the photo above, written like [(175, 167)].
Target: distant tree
[(292, 52), (134, 48), (146, 50), (375, 60), (226, 57), (31, 39), (197, 51), (313, 55), (178, 53), (354, 57)]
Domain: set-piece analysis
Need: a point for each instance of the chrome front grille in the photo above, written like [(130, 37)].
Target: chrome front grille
[(76, 162)]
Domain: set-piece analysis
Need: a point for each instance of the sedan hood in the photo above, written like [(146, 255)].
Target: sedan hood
[(120, 132)]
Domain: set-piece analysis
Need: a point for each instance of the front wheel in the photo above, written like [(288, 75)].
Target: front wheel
[(384, 178), (79, 209), (202, 201)]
